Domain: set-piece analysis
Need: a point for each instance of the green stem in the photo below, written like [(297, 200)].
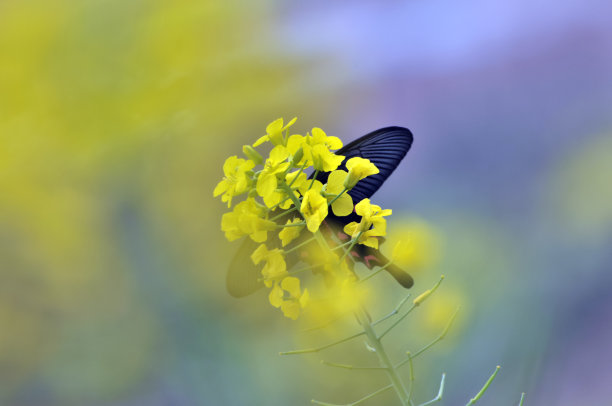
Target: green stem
[(314, 177), (300, 224), (283, 213), (355, 403), (300, 245), (353, 242), (336, 198), (346, 366), (323, 347), (375, 343), (484, 388)]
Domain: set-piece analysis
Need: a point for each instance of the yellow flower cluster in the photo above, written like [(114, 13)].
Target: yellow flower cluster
[(280, 198)]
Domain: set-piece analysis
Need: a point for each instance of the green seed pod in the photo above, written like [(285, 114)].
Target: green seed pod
[(252, 154)]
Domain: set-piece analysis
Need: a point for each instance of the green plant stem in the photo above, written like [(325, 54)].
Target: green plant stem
[(337, 196), (377, 345), (283, 213), (323, 347), (300, 224), (379, 270), (346, 366), (314, 177), (484, 388), (355, 403), (353, 242), (432, 343), (440, 393), (411, 381), (394, 311), (300, 245), (415, 303)]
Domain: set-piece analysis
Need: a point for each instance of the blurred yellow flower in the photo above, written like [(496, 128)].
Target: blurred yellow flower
[(314, 209), (246, 219), (289, 234), (359, 168), (275, 268), (416, 244), (236, 180), (297, 300)]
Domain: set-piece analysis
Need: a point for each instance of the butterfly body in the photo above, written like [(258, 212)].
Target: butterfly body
[(385, 148)]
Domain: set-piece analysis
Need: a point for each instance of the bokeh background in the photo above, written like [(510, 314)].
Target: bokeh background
[(115, 119)]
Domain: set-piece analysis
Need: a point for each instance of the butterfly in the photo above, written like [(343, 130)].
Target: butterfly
[(385, 148)]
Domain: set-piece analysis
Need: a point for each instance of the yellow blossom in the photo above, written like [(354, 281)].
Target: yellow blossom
[(310, 184), (236, 180), (372, 223), (267, 180), (343, 204), (296, 300), (290, 233), (325, 160), (274, 132), (295, 143), (359, 168), (275, 268), (247, 219), (318, 136), (296, 179), (416, 244), (314, 209)]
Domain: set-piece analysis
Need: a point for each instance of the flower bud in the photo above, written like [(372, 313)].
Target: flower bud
[(351, 180), (297, 157), (359, 168), (252, 154)]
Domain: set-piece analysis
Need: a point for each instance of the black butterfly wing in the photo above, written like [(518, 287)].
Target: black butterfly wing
[(385, 148)]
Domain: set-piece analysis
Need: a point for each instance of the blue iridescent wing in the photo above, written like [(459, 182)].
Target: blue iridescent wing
[(385, 148)]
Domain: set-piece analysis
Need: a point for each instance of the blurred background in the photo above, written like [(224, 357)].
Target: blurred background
[(116, 117)]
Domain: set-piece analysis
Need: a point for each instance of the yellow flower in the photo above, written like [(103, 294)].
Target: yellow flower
[(236, 180), (359, 168), (372, 223), (319, 137), (310, 184), (247, 219), (296, 179), (289, 234), (295, 143), (275, 268), (416, 244), (274, 132), (340, 297), (267, 180), (296, 300), (343, 205), (316, 150), (314, 209), (323, 159)]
